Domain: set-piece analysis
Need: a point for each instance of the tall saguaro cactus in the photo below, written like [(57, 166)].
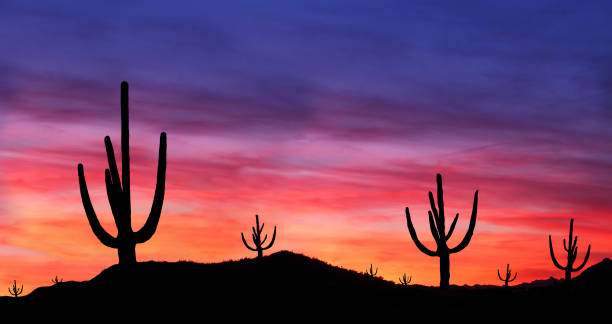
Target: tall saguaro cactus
[(572, 252), (259, 243), (508, 275), (118, 193), (438, 230)]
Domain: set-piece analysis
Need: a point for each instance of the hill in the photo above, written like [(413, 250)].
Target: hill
[(596, 276), (289, 283)]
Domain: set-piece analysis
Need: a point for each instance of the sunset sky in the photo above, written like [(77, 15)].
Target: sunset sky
[(326, 118)]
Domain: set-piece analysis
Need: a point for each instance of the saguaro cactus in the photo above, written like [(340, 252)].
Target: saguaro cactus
[(572, 251), (405, 281), (436, 225), (370, 272), (14, 291), (57, 280), (259, 248), (508, 274), (118, 193)]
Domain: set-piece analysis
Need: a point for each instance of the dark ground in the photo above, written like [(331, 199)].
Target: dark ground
[(286, 287)]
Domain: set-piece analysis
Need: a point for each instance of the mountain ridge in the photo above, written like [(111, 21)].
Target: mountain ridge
[(289, 282)]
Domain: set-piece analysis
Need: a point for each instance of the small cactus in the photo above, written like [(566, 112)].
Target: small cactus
[(508, 274), (370, 272), (14, 291), (55, 280), (405, 281), (572, 252), (256, 236)]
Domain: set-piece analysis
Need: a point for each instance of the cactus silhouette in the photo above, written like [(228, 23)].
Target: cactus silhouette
[(118, 192), (436, 225), (508, 274), (370, 272), (572, 251), (14, 291), (55, 280), (405, 281), (256, 236)]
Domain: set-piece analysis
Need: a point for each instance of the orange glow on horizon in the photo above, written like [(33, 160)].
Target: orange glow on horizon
[(338, 201)]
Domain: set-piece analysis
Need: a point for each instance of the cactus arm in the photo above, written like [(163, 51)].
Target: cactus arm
[(514, 276), (565, 247), (574, 247), (415, 238), (112, 164), (94, 223), (112, 197), (499, 276), (470, 231), (122, 222), (264, 240), (434, 210), (147, 231), (247, 244), (272, 240), (552, 254), (452, 227), (432, 227), (586, 257)]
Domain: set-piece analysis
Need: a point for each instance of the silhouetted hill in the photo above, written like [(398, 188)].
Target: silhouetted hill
[(540, 283), (599, 275), (289, 283)]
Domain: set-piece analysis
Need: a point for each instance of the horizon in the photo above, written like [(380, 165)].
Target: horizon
[(326, 120)]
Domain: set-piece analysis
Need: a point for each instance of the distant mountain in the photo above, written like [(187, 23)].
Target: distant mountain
[(289, 283), (597, 274), (540, 283)]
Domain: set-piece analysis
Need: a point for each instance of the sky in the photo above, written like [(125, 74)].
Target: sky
[(326, 118)]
